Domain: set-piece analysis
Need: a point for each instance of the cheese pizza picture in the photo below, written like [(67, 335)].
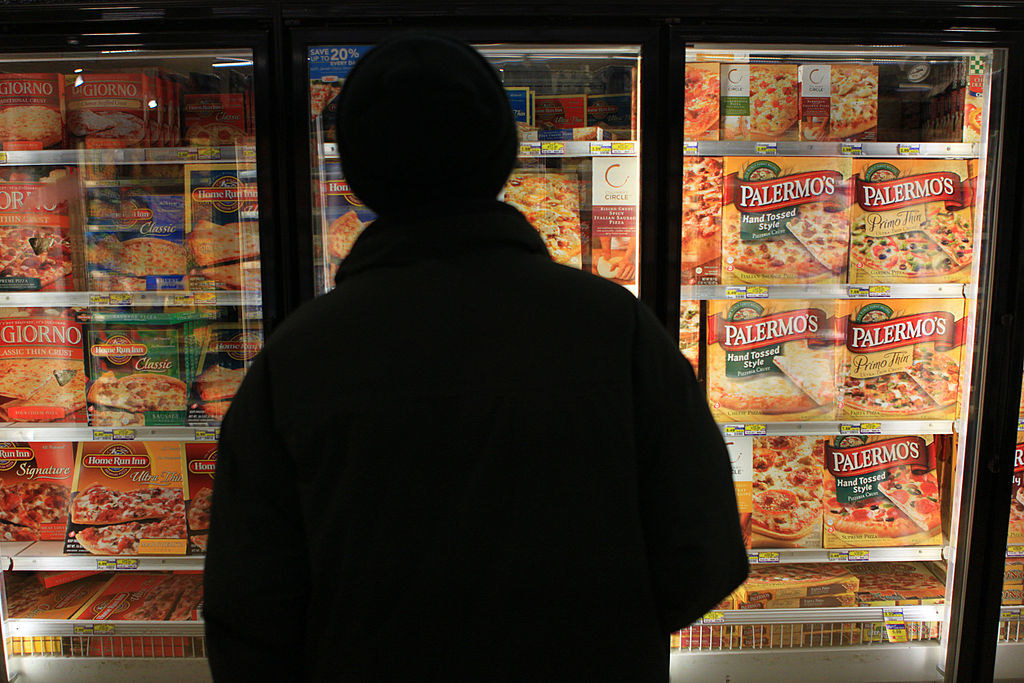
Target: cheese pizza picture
[(42, 368), (771, 360), (854, 102), (550, 201), (701, 101), (785, 220)]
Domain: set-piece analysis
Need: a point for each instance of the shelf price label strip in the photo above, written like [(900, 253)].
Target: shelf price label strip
[(764, 557), (91, 629), (118, 564), (849, 556)]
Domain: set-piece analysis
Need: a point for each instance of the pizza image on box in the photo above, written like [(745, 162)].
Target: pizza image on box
[(109, 110), (854, 102), (1015, 533), (35, 487), (343, 217), (785, 220), (146, 596), (902, 583), (912, 221), (901, 357), (225, 352), (31, 111), (771, 360), (882, 491), (128, 499), (782, 581), (701, 100), (787, 492), (774, 102), (36, 250), (551, 203), (701, 244), (689, 332), (200, 463), (62, 601), (42, 367), (741, 456)]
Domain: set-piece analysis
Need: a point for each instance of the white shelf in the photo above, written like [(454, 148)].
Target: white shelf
[(46, 556), (746, 148), (844, 555), (120, 299), (133, 156), (81, 432), (811, 428), (59, 627), (954, 290), (79, 668), (822, 615)]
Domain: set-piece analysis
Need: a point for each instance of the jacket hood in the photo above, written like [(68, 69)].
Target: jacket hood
[(424, 117)]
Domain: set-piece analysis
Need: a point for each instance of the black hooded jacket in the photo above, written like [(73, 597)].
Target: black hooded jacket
[(466, 463)]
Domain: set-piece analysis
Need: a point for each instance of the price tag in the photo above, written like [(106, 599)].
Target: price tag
[(624, 148), (122, 435), (206, 153), (1011, 614), (838, 556), (102, 435), (3, 157), (598, 149), (735, 292), (713, 618), (755, 430), (768, 557), (552, 149), (205, 298), (752, 556), (121, 299), (851, 148), (906, 150), (859, 556), (207, 434), (1015, 551), (99, 299), (766, 148), (185, 153), (529, 149), (103, 628), (757, 292), (690, 148), (248, 153), (733, 430), (1020, 424), (879, 291), (183, 299), (895, 624), (855, 292), (127, 563), (870, 427), (82, 629), (103, 565)]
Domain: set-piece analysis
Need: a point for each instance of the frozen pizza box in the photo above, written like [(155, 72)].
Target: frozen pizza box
[(785, 220), (343, 216), (903, 583), (701, 240), (838, 102), (911, 221), (225, 352), (64, 600), (137, 375), (109, 109), (741, 462), (689, 332), (1012, 596), (787, 491), (701, 99), (760, 101), (143, 249), (214, 119), (200, 464), (42, 366), (35, 487), (901, 358), (221, 228), (551, 203), (146, 596), (1013, 571), (58, 578), (781, 581), (560, 111), (128, 498), (847, 599), (771, 360), (882, 491), (612, 115), (974, 99), (31, 111), (1015, 532)]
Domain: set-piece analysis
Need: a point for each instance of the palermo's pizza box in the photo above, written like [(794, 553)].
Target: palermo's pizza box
[(146, 596), (760, 101), (781, 581), (42, 367), (1015, 532), (911, 221), (771, 360), (901, 358), (702, 100), (787, 491), (226, 351), (128, 498), (904, 583), (882, 491), (137, 375), (701, 241), (847, 599), (35, 487), (785, 220), (200, 464)]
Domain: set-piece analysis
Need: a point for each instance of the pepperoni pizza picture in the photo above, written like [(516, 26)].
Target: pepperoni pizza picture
[(701, 100), (787, 491)]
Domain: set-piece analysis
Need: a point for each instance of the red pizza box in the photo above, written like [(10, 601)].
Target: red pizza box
[(128, 499), (560, 111), (1015, 532), (882, 491), (145, 596), (42, 367), (35, 487), (200, 463), (53, 579), (31, 111), (109, 110), (226, 351), (701, 242), (701, 100), (847, 599), (65, 600), (786, 499)]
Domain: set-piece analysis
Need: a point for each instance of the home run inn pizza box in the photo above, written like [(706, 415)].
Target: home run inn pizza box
[(32, 600), (882, 491), (785, 220), (35, 487), (771, 360), (136, 376), (200, 463), (146, 596), (226, 351), (911, 221), (901, 358), (787, 491), (42, 367), (128, 499)]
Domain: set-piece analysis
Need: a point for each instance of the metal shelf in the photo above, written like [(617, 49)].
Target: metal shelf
[(830, 291), (821, 615), (550, 148), (47, 556), (79, 432), (134, 156), (58, 627), (823, 428), (746, 148), (852, 555), (119, 299)]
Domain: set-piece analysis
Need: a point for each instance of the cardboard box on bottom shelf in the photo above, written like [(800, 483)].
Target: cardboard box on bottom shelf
[(897, 583), (147, 596), (781, 581), (29, 598)]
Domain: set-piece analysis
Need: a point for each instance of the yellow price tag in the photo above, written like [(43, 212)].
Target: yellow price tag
[(895, 624), (1015, 551), (127, 563), (859, 556), (184, 153), (106, 564), (712, 618), (99, 299), (755, 430), (3, 157), (838, 556), (121, 299), (554, 148), (183, 299), (757, 292), (103, 628), (768, 558), (623, 148), (205, 298), (123, 435), (881, 291), (82, 629)]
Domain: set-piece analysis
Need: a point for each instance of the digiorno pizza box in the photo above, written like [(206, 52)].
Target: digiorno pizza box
[(786, 500), (226, 350), (785, 220), (701, 239), (701, 100), (35, 487), (108, 109), (882, 491), (42, 366), (901, 358), (771, 360), (128, 498), (200, 464), (31, 111), (759, 101), (911, 221), (145, 596), (781, 581)]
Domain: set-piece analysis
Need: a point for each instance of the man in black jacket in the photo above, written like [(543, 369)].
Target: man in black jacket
[(466, 463)]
